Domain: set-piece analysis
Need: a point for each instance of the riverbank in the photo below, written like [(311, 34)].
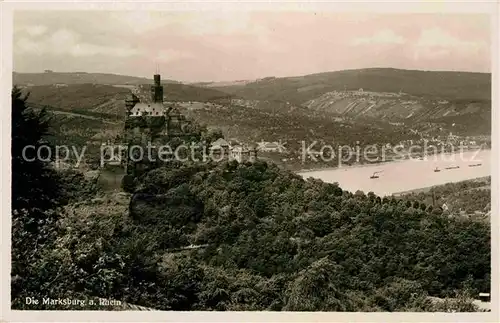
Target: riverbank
[(408, 174), (414, 157), (427, 189)]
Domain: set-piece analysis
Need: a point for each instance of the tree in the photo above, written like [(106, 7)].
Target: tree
[(320, 287), (35, 189), (212, 135), (128, 184), (34, 183)]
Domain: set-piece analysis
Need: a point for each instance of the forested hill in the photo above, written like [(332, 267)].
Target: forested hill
[(276, 242), (433, 84), (252, 237)]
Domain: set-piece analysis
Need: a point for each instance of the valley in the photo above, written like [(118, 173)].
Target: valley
[(336, 108), (240, 158), (200, 224)]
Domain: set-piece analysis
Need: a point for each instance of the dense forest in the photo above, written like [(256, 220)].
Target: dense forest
[(233, 236)]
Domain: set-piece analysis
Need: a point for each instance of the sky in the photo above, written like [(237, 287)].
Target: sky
[(193, 46)]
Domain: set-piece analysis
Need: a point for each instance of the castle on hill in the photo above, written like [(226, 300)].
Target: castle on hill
[(157, 122), (175, 123)]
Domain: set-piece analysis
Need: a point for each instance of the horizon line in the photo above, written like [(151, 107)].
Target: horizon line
[(255, 79)]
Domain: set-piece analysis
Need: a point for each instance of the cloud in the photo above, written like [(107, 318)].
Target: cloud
[(222, 45), (184, 22), (220, 23), (385, 36), (138, 22), (66, 42), (92, 50), (35, 30), (436, 43), (168, 55)]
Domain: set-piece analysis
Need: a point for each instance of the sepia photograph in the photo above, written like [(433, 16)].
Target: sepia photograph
[(251, 160)]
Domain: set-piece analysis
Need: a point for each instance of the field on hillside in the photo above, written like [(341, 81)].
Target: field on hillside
[(467, 117), (110, 100), (105, 99), (79, 132), (293, 127), (446, 85), (183, 93), (51, 78), (455, 101), (296, 128), (89, 114)]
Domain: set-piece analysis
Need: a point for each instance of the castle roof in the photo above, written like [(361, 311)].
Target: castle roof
[(152, 109)]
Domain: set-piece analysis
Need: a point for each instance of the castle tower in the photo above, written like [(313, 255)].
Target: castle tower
[(157, 90)]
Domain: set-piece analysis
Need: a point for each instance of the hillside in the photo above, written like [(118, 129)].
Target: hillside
[(268, 240), (456, 101), (292, 126), (467, 117), (105, 99), (452, 101), (108, 99), (236, 237), (374, 115), (296, 127), (89, 114), (78, 78), (445, 85), (222, 83), (182, 93), (81, 132)]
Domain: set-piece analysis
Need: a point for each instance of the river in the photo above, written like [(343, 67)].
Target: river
[(408, 174)]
